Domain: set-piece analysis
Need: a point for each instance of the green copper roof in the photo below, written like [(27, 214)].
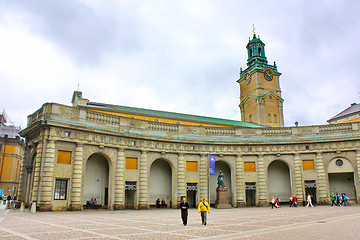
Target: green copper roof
[(171, 115), (255, 40)]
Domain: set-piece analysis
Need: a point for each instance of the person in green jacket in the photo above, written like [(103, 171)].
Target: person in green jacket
[(333, 198)]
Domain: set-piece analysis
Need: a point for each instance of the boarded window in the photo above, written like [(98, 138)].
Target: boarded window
[(131, 163), (64, 157), (308, 164), (191, 166), (249, 166)]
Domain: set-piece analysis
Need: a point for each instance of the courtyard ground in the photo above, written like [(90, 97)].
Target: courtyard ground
[(322, 222)]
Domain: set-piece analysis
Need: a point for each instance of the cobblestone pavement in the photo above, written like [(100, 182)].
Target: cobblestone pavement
[(322, 222)]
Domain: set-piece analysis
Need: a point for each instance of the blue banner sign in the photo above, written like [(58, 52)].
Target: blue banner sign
[(212, 164)]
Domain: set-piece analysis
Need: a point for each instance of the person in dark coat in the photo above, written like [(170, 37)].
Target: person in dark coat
[(184, 206)]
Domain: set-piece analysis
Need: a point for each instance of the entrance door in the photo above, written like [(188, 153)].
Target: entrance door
[(130, 195), (250, 190), (191, 198), (310, 188)]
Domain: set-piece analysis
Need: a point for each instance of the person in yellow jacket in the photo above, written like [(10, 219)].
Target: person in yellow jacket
[(204, 208)]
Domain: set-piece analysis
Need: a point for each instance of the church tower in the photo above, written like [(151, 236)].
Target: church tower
[(260, 94)]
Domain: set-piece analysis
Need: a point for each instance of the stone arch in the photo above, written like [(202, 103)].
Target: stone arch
[(161, 181), (341, 177), (97, 179), (279, 180), (225, 167)]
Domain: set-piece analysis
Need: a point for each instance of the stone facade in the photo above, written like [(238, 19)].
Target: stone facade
[(85, 133)]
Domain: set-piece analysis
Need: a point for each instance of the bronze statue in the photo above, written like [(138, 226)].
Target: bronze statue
[(221, 183)]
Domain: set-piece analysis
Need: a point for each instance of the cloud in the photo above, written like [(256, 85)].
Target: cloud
[(181, 56)]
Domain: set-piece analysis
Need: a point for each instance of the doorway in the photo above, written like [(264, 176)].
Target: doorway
[(250, 191)]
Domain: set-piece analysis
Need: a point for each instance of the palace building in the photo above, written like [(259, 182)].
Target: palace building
[(128, 157)]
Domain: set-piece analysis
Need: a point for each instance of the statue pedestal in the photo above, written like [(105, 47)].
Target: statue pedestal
[(221, 198)]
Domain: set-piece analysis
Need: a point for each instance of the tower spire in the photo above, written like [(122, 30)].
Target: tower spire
[(254, 30)]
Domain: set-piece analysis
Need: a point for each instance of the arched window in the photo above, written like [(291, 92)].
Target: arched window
[(259, 51), (250, 118), (275, 118), (250, 52), (269, 117)]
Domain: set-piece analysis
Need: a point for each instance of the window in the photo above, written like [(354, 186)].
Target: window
[(192, 148), (64, 157), (339, 162), (269, 117), (249, 149), (191, 166), (156, 120), (250, 118), (275, 118), (131, 163), (308, 164), (60, 189), (67, 134), (249, 166), (307, 147), (250, 52), (133, 143), (259, 51)]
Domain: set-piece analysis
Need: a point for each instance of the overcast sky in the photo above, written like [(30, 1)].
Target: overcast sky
[(180, 56)]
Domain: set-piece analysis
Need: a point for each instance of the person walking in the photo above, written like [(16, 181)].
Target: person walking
[(332, 196), (338, 200), (291, 198), (294, 201), (204, 208), (184, 206), (272, 202), (309, 201)]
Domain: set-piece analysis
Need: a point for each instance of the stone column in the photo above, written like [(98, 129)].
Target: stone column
[(143, 182), (36, 176), (181, 184), (321, 180), (47, 181), (77, 177), (358, 172), (298, 178), (240, 184), (119, 180), (261, 181), (204, 172)]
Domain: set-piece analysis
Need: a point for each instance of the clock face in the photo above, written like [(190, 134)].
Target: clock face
[(247, 78), (268, 75)]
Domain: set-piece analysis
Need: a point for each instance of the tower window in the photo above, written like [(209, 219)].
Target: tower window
[(259, 51), (275, 118), (250, 52), (269, 118)]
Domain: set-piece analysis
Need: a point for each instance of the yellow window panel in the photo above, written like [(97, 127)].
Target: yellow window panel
[(249, 166), (64, 157), (10, 148), (308, 164), (191, 166), (131, 163)]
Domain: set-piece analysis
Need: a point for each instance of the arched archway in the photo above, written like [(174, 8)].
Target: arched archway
[(160, 181), (341, 177), (224, 167), (279, 180), (97, 179)]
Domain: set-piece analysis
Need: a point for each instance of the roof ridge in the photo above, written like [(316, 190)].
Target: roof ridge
[(193, 117)]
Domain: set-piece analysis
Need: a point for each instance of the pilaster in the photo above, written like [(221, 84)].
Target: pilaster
[(358, 172), (36, 178), (76, 204), (204, 172), (240, 185), (119, 180), (47, 180), (22, 178), (143, 182), (181, 184), (321, 179), (298, 178), (261, 180)]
